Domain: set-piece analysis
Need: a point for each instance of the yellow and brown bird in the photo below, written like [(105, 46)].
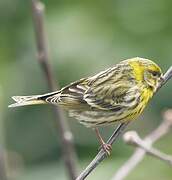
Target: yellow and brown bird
[(118, 94)]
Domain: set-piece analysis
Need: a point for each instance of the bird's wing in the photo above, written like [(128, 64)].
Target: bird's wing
[(110, 90), (71, 96)]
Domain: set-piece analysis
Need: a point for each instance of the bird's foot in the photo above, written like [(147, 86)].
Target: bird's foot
[(107, 148)]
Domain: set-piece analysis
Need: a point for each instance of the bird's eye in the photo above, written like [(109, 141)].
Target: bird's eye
[(155, 74)]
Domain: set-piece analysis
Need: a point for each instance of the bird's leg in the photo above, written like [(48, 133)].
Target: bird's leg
[(106, 147)]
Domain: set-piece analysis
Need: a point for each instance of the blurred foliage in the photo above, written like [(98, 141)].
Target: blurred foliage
[(84, 38)]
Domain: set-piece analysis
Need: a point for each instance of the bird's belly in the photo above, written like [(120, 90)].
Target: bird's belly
[(94, 118), (103, 118)]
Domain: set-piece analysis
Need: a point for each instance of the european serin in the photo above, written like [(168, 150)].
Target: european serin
[(118, 94)]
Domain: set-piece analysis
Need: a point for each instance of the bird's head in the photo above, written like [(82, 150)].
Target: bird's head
[(146, 71)]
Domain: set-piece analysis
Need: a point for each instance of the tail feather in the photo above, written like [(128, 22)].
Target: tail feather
[(23, 98), (26, 100), (30, 100)]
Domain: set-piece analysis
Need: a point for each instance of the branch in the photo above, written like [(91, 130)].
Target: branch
[(166, 77), (132, 138), (66, 137), (101, 155), (139, 153)]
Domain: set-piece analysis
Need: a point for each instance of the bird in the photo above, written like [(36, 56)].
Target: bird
[(118, 94)]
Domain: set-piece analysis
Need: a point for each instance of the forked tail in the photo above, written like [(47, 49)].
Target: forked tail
[(31, 100)]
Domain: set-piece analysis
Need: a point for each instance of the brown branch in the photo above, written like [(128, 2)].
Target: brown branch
[(66, 137), (101, 155), (132, 138), (139, 153)]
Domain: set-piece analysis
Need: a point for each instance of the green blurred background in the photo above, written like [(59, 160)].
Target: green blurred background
[(84, 38)]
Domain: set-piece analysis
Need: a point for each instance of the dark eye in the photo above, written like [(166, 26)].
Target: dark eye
[(155, 74)]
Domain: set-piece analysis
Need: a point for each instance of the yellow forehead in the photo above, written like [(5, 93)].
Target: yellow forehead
[(139, 66)]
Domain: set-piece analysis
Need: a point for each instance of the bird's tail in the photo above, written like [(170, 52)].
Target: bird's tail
[(31, 100)]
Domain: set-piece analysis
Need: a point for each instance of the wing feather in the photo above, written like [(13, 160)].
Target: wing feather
[(110, 90)]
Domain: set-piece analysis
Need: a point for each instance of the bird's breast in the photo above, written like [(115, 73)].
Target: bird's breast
[(145, 96)]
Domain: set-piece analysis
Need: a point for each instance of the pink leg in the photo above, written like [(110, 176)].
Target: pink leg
[(106, 147)]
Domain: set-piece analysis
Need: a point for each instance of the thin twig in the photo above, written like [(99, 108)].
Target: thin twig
[(132, 138), (101, 155), (139, 153), (166, 77), (43, 59)]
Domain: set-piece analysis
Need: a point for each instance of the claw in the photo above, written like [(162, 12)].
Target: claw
[(107, 148)]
